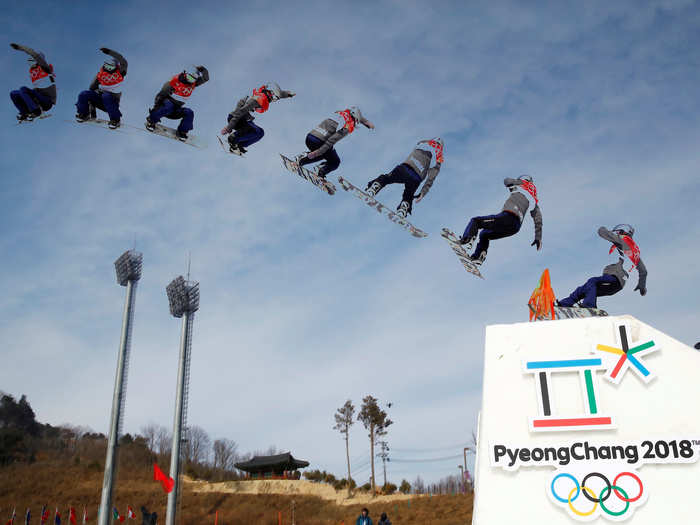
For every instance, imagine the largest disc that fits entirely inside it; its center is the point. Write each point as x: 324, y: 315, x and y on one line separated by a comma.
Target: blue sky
x: 308, y: 300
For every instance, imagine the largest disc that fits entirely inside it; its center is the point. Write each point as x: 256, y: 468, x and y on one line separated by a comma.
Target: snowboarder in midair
x: 42, y: 95
x: 323, y: 137
x: 423, y: 164
x: 240, y: 120
x: 105, y: 90
x: 170, y: 101
x: 614, y: 275
x: 523, y: 193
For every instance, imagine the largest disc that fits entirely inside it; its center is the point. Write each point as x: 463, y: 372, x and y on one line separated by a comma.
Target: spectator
x: 363, y: 518
x: 383, y: 520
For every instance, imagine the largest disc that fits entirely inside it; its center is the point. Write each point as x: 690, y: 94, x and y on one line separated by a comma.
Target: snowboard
x: 40, y: 117
x: 573, y: 312
x: 169, y: 133
x: 103, y: 124
x: 383, y: 210
x: 463, y: 256
x: 226, y: 148
x: 319, y: 182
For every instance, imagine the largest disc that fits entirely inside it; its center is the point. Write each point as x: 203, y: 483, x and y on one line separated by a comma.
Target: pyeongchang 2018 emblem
x: 626, y: 356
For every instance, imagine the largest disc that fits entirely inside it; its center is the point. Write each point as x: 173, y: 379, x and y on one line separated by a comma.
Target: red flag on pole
x: 71, y: 516
x: 166, y: 481
x: 130, y: 513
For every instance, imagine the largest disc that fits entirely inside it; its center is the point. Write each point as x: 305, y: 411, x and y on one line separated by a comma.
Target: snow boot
x: 480, y: 259
x: 21, y: 118
x: 150, y: 125
x: 182, y: 135
x: 80, y: 117
x: 373, y: 188
x: 403, y: 209
x: 114, y: 124
x: 467, y: 243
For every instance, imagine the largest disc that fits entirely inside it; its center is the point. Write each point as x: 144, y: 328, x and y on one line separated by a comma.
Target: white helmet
x: 274, y: 88
x: 526, y: 178
x: 624, y: 229
x: 356, y: 113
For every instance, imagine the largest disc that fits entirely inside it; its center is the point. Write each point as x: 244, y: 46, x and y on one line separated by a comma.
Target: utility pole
x: 128, y: 268
x: 461, y: 477
x: 384, y: 454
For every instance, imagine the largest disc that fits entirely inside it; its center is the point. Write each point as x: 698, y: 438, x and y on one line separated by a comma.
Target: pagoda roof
x: 277, y: 462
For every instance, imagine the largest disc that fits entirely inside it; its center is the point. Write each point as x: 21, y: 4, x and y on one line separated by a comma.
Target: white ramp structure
x: 588, y: 420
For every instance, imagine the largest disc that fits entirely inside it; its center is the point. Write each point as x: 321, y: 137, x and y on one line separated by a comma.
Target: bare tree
x: 198, y: 445
x: 224, y: 453
x: 164, y: 440
x: 150, y: 433
x: 376, y: 421
x: 343, y: 422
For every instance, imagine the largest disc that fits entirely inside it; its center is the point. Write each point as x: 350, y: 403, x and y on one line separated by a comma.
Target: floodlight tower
x: 183, y: 297
x: 128, y: 268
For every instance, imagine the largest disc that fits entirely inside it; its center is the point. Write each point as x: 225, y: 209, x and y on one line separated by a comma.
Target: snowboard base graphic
x: 374, y: 203
x: 319, y: 182
x: 462, y: 255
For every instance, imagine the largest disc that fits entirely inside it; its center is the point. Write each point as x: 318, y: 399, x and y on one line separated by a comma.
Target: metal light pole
x: 128, y: 268
x: 183, y: 297
x: 461, y: 477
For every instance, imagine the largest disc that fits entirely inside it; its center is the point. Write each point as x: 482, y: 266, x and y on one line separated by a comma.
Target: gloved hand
x: 642, y: 290
x: 537, y: 243
x: 291, y: 94
x: 417, y: 198
x: 105, y: 50
x: 14, y: 46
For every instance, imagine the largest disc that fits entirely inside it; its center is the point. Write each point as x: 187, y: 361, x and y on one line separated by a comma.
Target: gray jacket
x: 244, y: 109
x: 419, y: 161
x: 517, y: 204
x: 617, y: 268
x: 167, y: 90
x: 122, y: 66
x: 330, y: 131
x: 49, y: 92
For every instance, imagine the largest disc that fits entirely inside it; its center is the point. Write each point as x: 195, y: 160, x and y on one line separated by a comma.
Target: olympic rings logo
x: 600, y: 499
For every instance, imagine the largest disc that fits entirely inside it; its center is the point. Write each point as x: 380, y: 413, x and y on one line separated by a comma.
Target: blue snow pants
x: 492, y: 227
x: 169, y: 109
x: 401, y: 174
x: 246, y: 133
x: 594, y: 287
x: 104, y: 100
x: 331, y: 157
x: 28, y: 100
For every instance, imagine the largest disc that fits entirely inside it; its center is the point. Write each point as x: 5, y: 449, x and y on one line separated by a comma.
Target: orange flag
x: 166, y: 481
x: 541, y: 301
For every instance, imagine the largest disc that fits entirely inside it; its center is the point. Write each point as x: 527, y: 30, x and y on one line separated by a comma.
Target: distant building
x: 280, y: 466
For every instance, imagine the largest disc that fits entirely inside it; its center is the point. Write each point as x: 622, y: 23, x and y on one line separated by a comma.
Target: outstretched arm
x: 36, y: 56
x: 429, y: 179
x: 612, y: 237
x: 123, y: 64
x: 203, y: 76
x: 536, y: 215
x: 287, y: 94
x: 366, y: 123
